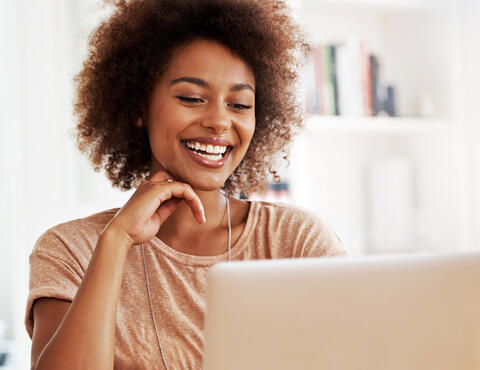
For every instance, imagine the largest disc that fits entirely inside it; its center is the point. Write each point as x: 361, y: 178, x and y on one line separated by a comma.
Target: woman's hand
x: 151, y: 204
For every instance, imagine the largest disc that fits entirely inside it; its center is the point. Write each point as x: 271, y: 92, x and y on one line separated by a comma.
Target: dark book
x: 374, y: 72
x: 3, y: 359
x: 334, y: 71
x: 389, y: 103
x: 386, y: 96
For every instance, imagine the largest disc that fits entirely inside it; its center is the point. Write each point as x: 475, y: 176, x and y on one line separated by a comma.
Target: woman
x: 190, y: 102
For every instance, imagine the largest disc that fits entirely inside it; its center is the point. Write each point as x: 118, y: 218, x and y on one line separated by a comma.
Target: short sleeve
x: 54, y: 273
x: 314, y: 236
x: 322, y: 241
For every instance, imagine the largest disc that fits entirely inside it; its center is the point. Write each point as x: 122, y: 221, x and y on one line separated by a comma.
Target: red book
x: 366, y: 81
x: 319, y: 78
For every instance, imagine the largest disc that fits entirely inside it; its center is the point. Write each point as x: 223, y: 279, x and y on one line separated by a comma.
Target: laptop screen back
x: 415, y: 312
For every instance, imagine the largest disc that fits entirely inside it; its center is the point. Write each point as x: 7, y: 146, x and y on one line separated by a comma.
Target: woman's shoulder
x: 286, y: 212
x: 73, y: 236
x: 305, y: 230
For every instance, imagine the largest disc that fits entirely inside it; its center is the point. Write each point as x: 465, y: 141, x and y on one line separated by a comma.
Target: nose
x: 216, y: 118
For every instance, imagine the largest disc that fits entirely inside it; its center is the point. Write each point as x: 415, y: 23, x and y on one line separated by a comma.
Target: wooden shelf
x: 381, y: 125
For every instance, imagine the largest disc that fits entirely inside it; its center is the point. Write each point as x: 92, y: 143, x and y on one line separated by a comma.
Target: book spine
x: 366, y: 82
x: 389, y: 104
x: 331, y: 80
x: 374, y: 78
x: 318, y: 66
x: 333, y: 56
x: 310, y: 85
x: 327, y: 99
x: 350, y: 77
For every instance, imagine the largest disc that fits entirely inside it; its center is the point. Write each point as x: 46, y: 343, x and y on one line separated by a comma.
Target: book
x: 367, y: 82
x: 319, y: 78
x: 387, y: 101
x: 325, y: 78
x: 344, y: 79
x: 374, y: 81
x: 354, y: 85
x: 311, y: 86
x: 332, y: 79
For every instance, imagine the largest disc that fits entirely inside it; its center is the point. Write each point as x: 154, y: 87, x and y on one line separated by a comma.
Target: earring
x: 139, y: 123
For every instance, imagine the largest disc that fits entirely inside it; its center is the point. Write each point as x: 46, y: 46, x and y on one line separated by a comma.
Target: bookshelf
x: 387, y: 184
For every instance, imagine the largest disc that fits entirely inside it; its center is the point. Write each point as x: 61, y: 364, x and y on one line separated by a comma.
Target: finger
x: 160, y: 175
x: 181, y: 190
x: 167, y: 208
x: 193, y: 201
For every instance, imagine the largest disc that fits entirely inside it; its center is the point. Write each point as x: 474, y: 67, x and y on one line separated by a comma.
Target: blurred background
x: 389, y: 156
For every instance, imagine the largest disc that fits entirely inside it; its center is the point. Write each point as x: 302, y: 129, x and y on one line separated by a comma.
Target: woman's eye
x: 189, y: 100
x: 241, y: 106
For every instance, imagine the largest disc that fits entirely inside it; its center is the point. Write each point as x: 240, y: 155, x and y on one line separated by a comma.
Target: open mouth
x: 208, y: 151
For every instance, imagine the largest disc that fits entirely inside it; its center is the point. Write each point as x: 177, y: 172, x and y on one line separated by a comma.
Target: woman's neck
x: 181, y: 224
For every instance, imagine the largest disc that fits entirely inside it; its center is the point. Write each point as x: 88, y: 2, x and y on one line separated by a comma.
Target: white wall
x: 43, y: 179
x: 10, y: 158
x: 468, y: 75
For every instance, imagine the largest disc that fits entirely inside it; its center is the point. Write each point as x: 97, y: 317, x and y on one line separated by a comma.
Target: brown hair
x: 129, y: 50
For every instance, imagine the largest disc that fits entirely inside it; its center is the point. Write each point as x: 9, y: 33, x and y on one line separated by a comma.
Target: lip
x: 204, y: 161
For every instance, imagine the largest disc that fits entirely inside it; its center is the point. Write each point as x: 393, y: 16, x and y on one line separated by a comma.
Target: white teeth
x: 217, y: 149
x: 211, y: 157
x: 220, y: 149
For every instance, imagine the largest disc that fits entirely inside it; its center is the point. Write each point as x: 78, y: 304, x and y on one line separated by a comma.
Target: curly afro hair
x: 131, y: 49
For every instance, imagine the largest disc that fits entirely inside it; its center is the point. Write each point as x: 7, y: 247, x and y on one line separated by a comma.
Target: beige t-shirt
x: 61, y: 256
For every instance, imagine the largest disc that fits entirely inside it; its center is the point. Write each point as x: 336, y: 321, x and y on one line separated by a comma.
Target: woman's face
x: 201, y: 115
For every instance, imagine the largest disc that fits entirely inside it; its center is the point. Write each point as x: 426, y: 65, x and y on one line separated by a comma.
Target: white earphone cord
x: 148, y: 282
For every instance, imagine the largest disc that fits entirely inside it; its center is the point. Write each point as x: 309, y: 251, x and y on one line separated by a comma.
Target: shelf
x: 379, y: 6
x: 336, y: 157
x: 380, y: 125
x: 7, y: 348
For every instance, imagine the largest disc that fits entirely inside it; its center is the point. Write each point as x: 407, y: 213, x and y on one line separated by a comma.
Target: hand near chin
x: 151, y: 204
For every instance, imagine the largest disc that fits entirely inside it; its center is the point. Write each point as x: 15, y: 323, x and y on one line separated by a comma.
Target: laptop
x: 404, y: 312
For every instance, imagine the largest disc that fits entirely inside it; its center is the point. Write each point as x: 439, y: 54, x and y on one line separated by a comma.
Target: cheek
x: 165, y: 126
x: 161, y: 140
x: 158, y: 148
x: 248, y: 132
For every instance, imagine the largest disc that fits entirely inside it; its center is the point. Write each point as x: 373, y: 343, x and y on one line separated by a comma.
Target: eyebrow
x: 203, y: 83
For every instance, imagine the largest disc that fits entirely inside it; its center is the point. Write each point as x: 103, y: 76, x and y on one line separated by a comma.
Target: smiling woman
x: 190, y: 102
x: 214, y: 109
x: 142, y: 36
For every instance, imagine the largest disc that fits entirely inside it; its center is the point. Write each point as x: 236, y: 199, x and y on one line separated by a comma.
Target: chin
x: 205, y: 185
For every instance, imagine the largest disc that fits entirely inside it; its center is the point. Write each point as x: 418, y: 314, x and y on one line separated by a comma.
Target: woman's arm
x: 84, y: 330
x: 47, y: 314
x: 84, y: 337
